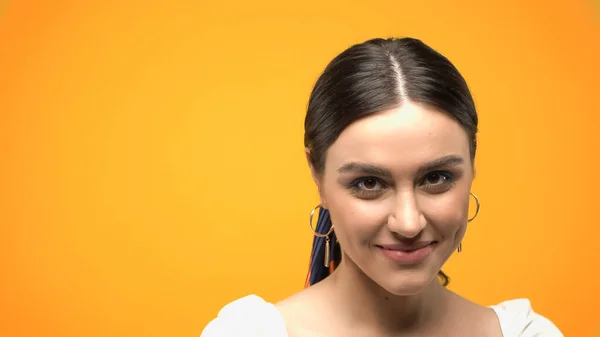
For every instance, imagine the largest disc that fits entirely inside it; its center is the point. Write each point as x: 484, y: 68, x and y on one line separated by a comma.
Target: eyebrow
x: 368, y: 169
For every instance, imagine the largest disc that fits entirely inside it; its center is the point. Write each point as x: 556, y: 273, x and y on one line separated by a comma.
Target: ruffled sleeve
x: 518, y: 319
x: 249, y: 316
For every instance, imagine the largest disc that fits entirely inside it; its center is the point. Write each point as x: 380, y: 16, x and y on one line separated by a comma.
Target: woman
x: 390, y: 137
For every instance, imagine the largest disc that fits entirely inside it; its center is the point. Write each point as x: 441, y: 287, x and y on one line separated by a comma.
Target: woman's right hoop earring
x: 326, y: 236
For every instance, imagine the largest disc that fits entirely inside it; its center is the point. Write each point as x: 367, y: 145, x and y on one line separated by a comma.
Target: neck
x: 368, y: 306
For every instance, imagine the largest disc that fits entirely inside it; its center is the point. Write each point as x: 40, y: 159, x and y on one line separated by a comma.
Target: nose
x: 406, y: 219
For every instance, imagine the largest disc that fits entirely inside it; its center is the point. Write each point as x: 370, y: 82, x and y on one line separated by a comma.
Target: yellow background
x: 152, y: 166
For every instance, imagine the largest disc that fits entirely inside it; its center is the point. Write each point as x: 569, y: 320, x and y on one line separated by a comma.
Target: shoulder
x: 517, y: 318
x: 249, y: 316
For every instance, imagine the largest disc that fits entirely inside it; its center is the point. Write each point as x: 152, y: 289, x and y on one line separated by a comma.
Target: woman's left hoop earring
x: 478, y: 206
x: 472, y: 218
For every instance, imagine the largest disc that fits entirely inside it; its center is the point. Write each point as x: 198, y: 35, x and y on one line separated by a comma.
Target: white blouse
x: 252, y: 316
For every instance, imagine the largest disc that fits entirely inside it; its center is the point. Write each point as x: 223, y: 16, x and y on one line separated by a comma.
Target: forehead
x: 401, y: 138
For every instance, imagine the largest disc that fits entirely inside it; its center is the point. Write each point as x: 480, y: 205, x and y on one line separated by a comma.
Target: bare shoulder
x: 298, y: 304
x: 304, y: 313
x: 482, y: 320
x: 509, y: 318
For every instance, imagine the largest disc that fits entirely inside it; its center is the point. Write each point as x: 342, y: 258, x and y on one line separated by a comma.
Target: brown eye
x: 435, y: 178
x: 369, y: 184
x: 437, y: 182
x: 368, y: 188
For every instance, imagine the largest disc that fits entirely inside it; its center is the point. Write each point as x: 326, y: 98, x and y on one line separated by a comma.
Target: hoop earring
x: 326, y: 236
x: 471, y: 219
x: 478, y: 207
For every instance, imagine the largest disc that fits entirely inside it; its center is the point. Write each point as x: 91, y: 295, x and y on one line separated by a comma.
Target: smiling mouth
x: 408, y: 250
x: 407, y: 247
x: 408, y: 254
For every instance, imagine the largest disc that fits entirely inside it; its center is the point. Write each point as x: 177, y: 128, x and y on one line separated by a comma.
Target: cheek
x: 448, y: 212
x: 356, y: 221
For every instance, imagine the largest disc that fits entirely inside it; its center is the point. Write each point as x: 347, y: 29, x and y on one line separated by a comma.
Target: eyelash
x: 448, y: 183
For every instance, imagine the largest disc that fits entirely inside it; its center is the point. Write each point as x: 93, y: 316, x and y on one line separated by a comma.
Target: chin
x: 408, y: 283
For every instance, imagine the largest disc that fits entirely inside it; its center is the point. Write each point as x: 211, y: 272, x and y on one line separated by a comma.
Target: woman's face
x: 397, y: 187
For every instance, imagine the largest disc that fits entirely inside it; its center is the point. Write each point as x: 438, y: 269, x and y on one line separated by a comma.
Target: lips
x: 405, y: 247
x: 408, y: 254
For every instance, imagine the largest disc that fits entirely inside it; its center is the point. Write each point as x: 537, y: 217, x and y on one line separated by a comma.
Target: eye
x: 435, y: 178
x: 368, y: 184
x: 438, y: 182
x: 367, y: 187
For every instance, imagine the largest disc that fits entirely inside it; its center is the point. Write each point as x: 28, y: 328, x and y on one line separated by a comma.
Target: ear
x: 316, y: 177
